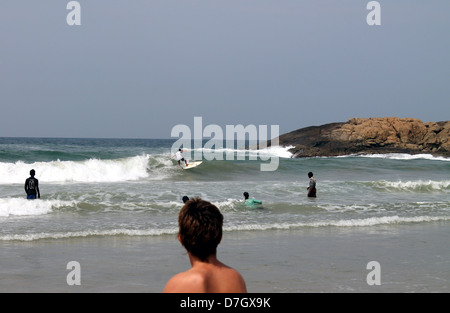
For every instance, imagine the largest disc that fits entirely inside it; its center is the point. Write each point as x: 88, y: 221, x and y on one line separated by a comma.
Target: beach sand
x: 412, y: 258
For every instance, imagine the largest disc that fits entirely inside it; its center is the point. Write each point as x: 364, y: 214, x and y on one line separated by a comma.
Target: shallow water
x: 112, y: 205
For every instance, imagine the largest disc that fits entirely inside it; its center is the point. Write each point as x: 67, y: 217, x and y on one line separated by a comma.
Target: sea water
x: 101, y: 198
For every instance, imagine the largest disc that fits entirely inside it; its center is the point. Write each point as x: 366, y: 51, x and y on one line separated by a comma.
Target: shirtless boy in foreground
x: 200, y: 233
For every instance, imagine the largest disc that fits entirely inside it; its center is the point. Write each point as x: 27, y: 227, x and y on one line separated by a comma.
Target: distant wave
x: 399, y: 156
x: 413, y: 186
x: 274, y: 151
x: 277, y: 151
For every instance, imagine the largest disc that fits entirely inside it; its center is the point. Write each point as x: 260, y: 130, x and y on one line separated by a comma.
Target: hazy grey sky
x: 136, y: 68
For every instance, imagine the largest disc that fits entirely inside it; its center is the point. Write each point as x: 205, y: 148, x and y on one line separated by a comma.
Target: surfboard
x: 192, y: 165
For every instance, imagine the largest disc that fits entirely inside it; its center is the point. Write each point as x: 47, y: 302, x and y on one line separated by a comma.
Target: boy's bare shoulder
x: 185, y: 282
x: 233, y: 282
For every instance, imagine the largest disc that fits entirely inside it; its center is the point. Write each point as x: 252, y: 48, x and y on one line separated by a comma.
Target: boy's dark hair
x: 200, y: 227
x: 310, y: 174
x: 246, y: 195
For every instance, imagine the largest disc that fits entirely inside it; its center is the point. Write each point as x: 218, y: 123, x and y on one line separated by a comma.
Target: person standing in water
x: 32, y: 187
x: 312, y: 185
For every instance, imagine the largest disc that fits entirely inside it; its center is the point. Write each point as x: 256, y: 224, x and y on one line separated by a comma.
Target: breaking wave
x: 92, y: 170
x: 147, y: 166
x: 372, y: 221
x: 23, y: 207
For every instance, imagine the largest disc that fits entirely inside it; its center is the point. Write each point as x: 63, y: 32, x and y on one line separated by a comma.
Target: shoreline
x: 330, y: 259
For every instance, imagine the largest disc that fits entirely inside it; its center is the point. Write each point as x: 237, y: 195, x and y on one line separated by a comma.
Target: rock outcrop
x: 372, y: 135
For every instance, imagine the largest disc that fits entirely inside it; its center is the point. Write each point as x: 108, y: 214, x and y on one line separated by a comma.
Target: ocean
x: 112, y: 205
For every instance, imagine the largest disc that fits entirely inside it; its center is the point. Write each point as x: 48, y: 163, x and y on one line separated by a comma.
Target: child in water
x: 250, y: 202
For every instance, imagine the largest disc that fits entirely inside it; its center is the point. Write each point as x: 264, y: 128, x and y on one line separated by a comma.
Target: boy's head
x: 200, y: 228
x: 32, y: 173
x: 246, y: 195
x: 310, y: 174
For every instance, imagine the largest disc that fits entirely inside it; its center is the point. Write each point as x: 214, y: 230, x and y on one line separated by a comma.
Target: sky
x: 138, y: 68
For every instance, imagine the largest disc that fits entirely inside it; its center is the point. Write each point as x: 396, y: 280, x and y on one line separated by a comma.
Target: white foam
x: 415, y: 185
x: 227, y: 204
x: 278, y: 151
x: 274, y: 151
x: 371, y: 221
x: 23, y: 207
x: 404, y: 156
x: 89, y: 233
x: 93, y: 170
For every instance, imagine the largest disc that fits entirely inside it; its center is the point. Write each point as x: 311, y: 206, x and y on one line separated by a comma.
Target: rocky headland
x: 370, y: 136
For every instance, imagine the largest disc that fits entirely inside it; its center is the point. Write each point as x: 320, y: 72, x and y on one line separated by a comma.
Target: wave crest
x: 92, y: 170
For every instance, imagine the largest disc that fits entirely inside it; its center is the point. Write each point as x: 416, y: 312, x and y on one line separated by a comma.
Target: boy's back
x: 207, y: 278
